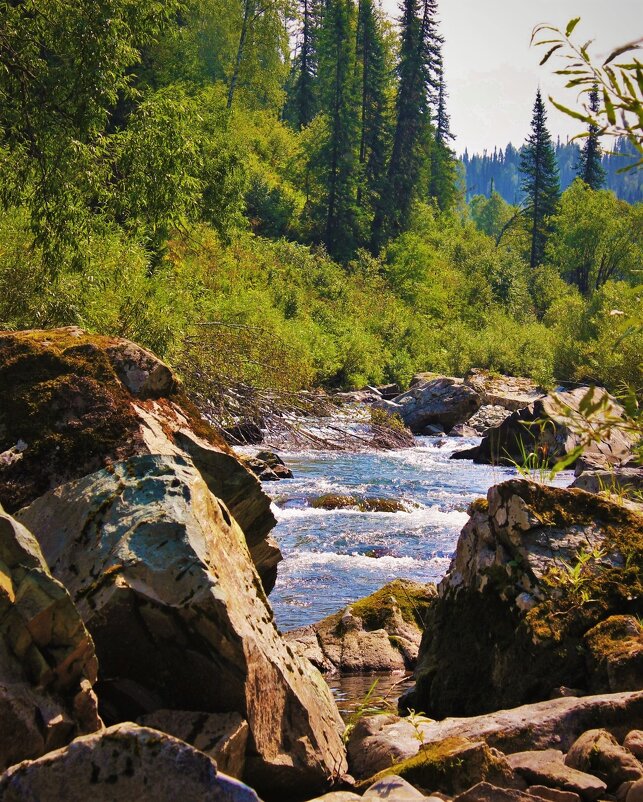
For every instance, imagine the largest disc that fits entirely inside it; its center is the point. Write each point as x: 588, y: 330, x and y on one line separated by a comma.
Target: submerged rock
x: 124, y: 762
x: 441, y: 401
x: 335, y: 501
x: 161, y: 574
x: 72, y: 403
x: 548, y: 428
x: 379, y: 633
x: 536, y: 568
x: 47, y: 659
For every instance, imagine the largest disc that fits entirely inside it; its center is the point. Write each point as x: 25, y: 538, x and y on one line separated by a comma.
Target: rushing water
x: 332, y: 558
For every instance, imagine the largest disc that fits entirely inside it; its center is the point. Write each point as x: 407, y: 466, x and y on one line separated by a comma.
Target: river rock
x: 615, y: 654
x: 508, y: 392
x: 487, y: 417
x: 621, y: 482
x: 486, y: 792
x: 634, y: 743
x: 124, y: 762
x: 161, y: 574
x: 47, y: 659
x: 375, y: 741
x: 72, y: 403
x: 441, y: 401
x: 547, y: 428
x: 221, y: 736
x: 599, y: 753
x: 451, y: 766
x: 548, y: 768
x: 512, y: 611
x: 379, y: 633
x: 552, y: 794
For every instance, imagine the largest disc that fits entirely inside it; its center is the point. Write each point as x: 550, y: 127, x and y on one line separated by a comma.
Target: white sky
x: 492, y: 73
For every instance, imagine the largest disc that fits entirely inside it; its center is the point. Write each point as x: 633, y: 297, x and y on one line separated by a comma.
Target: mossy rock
x: 615, y: 654
x: 334, y: 501
x: 450, y: 766
x: 536, y: 569
x: 66, y: 407
x: 412, y: 599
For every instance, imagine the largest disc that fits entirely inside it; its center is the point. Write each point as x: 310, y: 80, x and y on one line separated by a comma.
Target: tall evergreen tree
x: 340, y: 101
x: 408, y: 155
x: 589, y: 166
x: 540, y: 181
x: 442, y: 184
x: 302, y: 104
x: 375, y: 118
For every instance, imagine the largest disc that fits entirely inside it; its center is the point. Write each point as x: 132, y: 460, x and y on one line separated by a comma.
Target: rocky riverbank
x: 139, y: 656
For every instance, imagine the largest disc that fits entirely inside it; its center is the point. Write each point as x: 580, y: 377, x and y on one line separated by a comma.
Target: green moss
x: 333, y: 501
x: 478, y: 505
x: 450, y: 766
x: 61, y: 396
x: 411, y: 598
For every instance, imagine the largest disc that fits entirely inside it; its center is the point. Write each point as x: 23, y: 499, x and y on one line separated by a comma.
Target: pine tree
x: 339, y: 99
x: 408, y: 155
x: 589, y: 166
x: 375, y: 115
x: 442, y: 184
x: 302, y: 104
x: 540, y: 181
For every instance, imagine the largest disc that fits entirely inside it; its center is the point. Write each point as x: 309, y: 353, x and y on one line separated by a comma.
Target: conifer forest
x: 270, y: 193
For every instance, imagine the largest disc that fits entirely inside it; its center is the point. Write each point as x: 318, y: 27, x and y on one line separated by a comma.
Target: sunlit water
x: 332, y: 558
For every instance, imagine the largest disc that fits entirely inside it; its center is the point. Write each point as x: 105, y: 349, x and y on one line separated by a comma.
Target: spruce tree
x: 375, y: 117
x: 589, y: 167
x: 442, y: 184
x: 540, y: 182
x: 302, y: 104
x: 340, y: 101
x: 411, y: 129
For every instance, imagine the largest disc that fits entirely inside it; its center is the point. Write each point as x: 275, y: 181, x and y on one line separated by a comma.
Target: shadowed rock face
x: 546, y: 427
x: 536, y: 569
x: 125, y: 762
x: 162, y: 576
x: 47, y: 659
x: 442, y: 401
x: 72, y: 403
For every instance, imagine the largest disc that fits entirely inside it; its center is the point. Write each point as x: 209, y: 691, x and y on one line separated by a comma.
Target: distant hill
x: 502, y: 168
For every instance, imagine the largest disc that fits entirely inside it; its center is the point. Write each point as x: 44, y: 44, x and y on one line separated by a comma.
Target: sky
x: 492, y: 73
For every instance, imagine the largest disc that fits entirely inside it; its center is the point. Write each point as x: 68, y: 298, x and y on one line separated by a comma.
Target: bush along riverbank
x: 139, y: 654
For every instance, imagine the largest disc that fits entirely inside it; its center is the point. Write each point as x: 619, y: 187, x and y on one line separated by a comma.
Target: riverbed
x: 334, y: 557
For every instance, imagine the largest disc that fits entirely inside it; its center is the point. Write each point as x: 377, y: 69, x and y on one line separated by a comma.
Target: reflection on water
x: 368, y: 693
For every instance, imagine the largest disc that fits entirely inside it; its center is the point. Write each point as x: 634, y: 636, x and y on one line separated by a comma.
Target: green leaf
x: 636, y: 45
x: 570, y: 112
x: 609, y: 108
x: 571, y: 25
x: 547, y: 55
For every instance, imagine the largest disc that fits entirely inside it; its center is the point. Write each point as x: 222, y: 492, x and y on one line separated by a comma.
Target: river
x: 332, y: 558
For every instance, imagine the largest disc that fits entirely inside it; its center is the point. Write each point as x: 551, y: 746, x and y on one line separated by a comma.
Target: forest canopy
x: 177, y: 171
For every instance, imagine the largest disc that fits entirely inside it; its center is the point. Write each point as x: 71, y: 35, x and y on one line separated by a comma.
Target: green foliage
x: 619, y: 83
x: 596, y: 238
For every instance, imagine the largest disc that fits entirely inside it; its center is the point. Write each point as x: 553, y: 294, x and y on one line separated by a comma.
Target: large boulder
x: 549, y: 428
x: 444, y: 401
x: 162, y: 576
x: 377, y: 741
x: 624, y: 482
x: 379, y: 633
x: 536, y: 568
x: 508, y: 392
x: 125, y: 762
x: 72, y: 403
x: 47, y: 659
